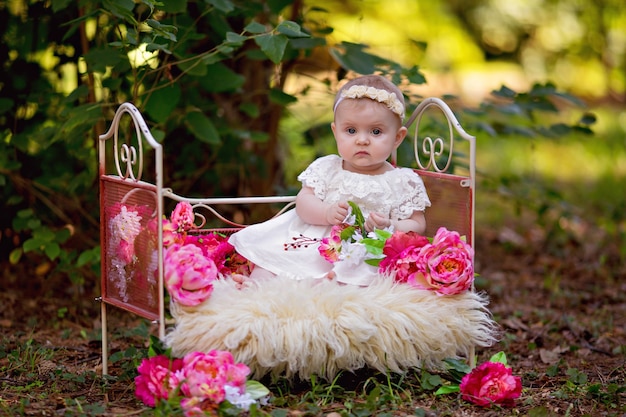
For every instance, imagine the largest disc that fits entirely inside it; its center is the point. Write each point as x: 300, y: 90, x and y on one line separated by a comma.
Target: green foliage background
x: 213, y: 79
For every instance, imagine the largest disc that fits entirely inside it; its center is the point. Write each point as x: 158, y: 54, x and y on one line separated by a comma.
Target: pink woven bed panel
x: 129, y: 251
x: 451, y: 203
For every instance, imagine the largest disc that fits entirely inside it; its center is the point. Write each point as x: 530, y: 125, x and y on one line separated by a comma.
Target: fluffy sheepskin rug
x: 299, y: 328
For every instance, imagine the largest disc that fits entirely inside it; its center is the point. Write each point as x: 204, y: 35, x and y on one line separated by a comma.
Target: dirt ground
x: 562, y: 308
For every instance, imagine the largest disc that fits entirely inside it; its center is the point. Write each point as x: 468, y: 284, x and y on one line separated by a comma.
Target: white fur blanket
x: 299, y: 328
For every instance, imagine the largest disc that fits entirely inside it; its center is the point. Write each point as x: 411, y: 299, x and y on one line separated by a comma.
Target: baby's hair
x: 377, y: 82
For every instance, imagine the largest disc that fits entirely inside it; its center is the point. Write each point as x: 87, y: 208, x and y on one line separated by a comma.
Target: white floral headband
x: 380, y: 95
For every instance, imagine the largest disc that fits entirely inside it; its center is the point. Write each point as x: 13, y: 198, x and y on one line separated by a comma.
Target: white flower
x: 126, y: 225
x: 233, y: 396
x: 357, y: 236
x: 352, y: 253
x: 350, y: 218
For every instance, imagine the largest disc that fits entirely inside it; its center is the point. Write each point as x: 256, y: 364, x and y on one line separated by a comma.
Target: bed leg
x: 472, y: 357
x: 105, y: 342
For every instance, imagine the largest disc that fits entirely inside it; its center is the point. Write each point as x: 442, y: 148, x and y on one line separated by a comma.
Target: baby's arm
x: 415, y: 223
x: 314, y: 211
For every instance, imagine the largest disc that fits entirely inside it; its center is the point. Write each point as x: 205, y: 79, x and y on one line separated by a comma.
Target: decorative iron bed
x: 283, y: 326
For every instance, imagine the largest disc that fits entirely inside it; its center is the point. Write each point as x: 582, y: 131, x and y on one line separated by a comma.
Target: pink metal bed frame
x: 136, y: 284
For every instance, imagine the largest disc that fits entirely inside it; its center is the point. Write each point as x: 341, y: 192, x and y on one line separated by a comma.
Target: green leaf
x: 358, y: 214
x: 151, y: 47
x: 307, y: 43
x: 215, y: 57
x: 273, y: 46
x: 15, y: 255
x: 33, y: 244
x: 174, y: 6
x: 166, y: 31
x: 223, y: 49
x: 429, y: 381
x: 499, y: 357
x: 354, y: 58
x: 156, y: 348
x: 62, y: 235
x: 291, y: 29
x: 279, y: 97
x: 44, y: 233
x: 447, y: 389
x: 99, y: 59
x: 52, y: 250
x: 256, y: 390
x: 588, y: 119
x: 225, y: 6
x: 195, y: 66
x: 235, y: 39
x: 202, y: 128
x: 504, y: 92
x: 219, y: 79
x: 122, y: 9
x: 347, y: 233
x: 373, y: 243
x: 415, y: 76
x: 84, y: 115
x: 457, y: 368
x: 88, y: 256
x: 382, y: 234
x: 162, y: 102
x: 250, y: 109
x: 457, y: 365
x: 255, y: 27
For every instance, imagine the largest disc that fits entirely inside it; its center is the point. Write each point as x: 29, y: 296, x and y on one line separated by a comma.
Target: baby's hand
x: 376, y: 221
x: 337, y: 213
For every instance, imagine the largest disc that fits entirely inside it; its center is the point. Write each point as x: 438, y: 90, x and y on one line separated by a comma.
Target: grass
x: 34, y: 373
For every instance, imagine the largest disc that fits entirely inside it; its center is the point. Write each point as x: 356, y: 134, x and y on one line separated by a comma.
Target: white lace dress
x: 270, y: 244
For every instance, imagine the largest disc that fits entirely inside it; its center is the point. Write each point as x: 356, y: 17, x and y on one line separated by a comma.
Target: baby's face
x: 366, y: 133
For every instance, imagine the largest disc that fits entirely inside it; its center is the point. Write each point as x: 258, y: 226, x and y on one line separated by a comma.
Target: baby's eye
x: 376, y: 132
x: 351, y: 130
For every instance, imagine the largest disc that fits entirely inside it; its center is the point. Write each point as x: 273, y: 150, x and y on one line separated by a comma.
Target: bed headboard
x: 448, y: 168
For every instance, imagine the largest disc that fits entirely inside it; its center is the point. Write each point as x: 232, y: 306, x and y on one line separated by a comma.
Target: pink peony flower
x: 222, y: 361
x: 223, y: 254
x: 189, y: 274
x: 156, y: 379
x: 182, y: 216
x: 401, y: 252
x: 491, y: 383
x: 445, y: 265
x: 205, y: 376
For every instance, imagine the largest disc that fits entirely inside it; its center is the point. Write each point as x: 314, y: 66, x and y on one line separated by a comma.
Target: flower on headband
x: 382, y: 96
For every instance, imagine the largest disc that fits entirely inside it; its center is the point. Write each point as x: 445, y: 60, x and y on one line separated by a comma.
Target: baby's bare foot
x: 240, y: 280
